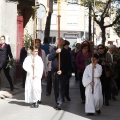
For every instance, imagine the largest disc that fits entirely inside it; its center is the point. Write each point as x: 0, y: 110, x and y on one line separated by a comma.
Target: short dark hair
x: 83, y: 45
x: 66, y: 42
x: 3, y: 37
x: 38, y: 40
x: 33, y: 48
x: 103, y: 46
x: 96, y: 56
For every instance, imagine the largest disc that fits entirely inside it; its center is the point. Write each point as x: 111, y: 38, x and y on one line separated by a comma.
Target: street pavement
x: 17, y: 109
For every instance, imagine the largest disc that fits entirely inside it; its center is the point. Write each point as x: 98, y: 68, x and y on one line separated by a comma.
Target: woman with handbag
x: 105, y: 61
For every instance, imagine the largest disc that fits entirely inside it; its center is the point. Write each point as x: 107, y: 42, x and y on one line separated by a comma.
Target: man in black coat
x: 60, y: 77
x: 5, y: 54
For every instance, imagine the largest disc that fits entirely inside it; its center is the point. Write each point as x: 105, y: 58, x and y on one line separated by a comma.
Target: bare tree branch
x: 114, y: 22
x: 106, y: 9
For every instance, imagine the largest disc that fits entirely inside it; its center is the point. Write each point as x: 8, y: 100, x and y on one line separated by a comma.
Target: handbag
x: 108, y: 72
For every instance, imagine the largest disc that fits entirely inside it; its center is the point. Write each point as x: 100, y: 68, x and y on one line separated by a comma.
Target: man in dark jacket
x: 59, y: 77
x: 5, y: 54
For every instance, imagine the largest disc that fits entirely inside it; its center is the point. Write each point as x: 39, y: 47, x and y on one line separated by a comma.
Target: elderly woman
x: 115, y: 70
x: 81, y: 58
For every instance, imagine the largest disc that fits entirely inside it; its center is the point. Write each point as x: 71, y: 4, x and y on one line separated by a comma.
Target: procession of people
x: 96, y: 68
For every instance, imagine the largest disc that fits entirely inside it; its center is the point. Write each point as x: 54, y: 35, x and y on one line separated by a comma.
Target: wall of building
x: 40, y: 23
x: 73, y: 22
x: 8, y: 27
x: 8, y: 23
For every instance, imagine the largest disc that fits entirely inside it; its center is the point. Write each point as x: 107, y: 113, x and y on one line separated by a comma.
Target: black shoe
x: 83, y: 102
x: 59, y: 107
x: 90, y: 114
x: 114, y: 98
x: 47, y: 94
x: 98, y: 112
x: 11, y: 88
x: 23, y: 85
x: 39, y: 102
x: 32, y: 105
x: 76, y: 79
x: 63, y: 99
x: 106, y: 103
x: 68, y: 98
x: 36, y: 105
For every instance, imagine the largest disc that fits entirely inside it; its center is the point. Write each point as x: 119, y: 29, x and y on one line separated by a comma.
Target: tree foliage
x: 103, y: 10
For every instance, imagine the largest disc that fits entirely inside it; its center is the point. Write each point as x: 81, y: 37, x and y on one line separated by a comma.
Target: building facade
x: 73, y: 22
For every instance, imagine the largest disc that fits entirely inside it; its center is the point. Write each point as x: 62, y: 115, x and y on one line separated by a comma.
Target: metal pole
x: 93, y: 45
x: 58, y: 1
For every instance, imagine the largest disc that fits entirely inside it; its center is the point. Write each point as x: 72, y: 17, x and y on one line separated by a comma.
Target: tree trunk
x: 103, y: 35
x: 90, y: 10
x: 47, y: 27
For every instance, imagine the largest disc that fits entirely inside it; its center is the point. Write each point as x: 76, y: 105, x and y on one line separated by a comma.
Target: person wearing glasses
x: 5, y: 55
x: 33, y: 65
x: 105, y: 61
x: 112, y: 50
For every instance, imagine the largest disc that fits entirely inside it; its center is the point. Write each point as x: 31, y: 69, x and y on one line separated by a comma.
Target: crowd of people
x: 96, y: 68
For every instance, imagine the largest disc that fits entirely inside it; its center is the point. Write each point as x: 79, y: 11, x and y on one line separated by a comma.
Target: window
x: 73, y: 1
x: 72, y: 20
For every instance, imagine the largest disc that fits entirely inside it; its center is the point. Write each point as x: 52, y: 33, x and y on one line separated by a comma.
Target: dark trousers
x: 59, y: 87
x: 106, y: 88
x: 23, y: 77
x: 82, y: 88
x: 75, y: 69
x: 49, y: 83
x: 67, y: 85
x: 7, y: 75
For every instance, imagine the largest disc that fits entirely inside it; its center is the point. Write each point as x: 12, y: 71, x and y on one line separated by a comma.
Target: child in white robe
x: 93, y: 88
x: 33, y: 65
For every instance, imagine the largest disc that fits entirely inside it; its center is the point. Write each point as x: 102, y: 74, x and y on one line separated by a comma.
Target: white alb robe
x: 93, y: 101
x: 33, y: 86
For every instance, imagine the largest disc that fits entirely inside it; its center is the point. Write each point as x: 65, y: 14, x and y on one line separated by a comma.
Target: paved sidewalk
x: 17, y: 109
x: 18, y: 89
